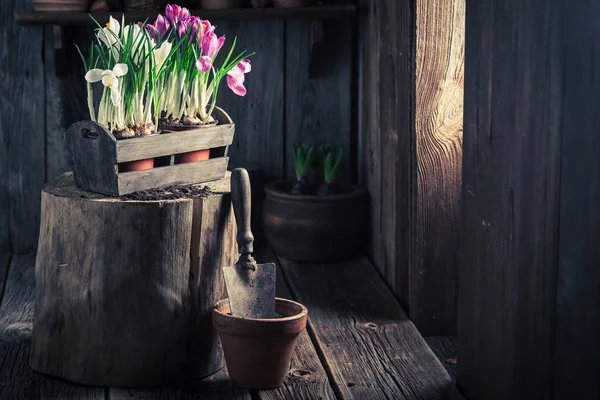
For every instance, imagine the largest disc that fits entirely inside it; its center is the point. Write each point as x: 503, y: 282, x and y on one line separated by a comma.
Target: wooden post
x: 530, y: 276
x: 412, y: 55
x: 124, y: 289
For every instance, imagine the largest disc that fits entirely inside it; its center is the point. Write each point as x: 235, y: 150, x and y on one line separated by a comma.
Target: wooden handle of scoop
x: 240, y: 196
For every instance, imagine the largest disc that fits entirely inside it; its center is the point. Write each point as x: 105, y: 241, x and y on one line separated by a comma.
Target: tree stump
x: 124, y: 289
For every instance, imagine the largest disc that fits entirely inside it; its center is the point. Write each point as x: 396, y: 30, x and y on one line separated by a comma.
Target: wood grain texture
x: 317, y: 109
x: 198, y: 172
x: 81, y: 18
x: 410, y: 133
x: 370, y: 128
x: 577, y: 321
x: 4, y: 263
x: 444, y: 347
x: 213, y: 217
x: 93, y: 157
x: 215, y: 387
x: 18, y: 381
x: 438, y: 125
x: 57, y: 156
x: 511, y: 164
x: 22, y: 128
x: 174, y: 143
x: 370, y: 347
x: 259, y: 115
x: 307, y: 378
x: 102, y: 288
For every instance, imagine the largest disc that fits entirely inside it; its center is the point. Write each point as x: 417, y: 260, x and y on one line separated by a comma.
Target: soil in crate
x: 169, y: 193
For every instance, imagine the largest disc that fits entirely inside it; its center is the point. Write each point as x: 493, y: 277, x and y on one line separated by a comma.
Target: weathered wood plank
x: 370, y: 347
x: 4, y: 263
x: 57, y: 156
x: 17, y: 380
x: 317, y: 108
x: 81, y: 18
x: 577, y: 320
x: 444, y: 347
x: 307, y: 378
x: 510, y: 200
x: 370, y: 173
x: 65, y: 94
x: 23, y: 127
x: 215, y: 387
x: 174, y: 143
x: 438, y: 125
x: 258, y: 115
x: 411, y: 125
x: 201, y: 171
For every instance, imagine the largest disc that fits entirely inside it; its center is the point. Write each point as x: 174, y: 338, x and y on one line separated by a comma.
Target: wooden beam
x: 19, y: 382
x: 369, y: 346
x: 82, y: 18
x: 411, y: 134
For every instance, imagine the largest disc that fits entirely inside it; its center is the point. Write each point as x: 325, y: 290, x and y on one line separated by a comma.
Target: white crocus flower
x: 110, y: 35
x: 110, y: 79
x: 161, y: 53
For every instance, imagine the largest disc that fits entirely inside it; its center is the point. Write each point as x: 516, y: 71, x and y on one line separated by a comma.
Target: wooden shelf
x: 83, y: 18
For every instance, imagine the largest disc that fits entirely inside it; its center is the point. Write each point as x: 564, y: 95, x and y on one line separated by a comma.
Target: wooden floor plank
x: 17, y: 379
x: 307, y: 378
x: 444, y: 347
x: 370, y: 347
x: 215, y: 387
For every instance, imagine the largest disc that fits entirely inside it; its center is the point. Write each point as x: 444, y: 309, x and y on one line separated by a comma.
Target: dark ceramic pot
x: 318, y: 229
x: 258, y: 351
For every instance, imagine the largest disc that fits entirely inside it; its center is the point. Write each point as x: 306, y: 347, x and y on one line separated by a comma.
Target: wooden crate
x: 96, y: 154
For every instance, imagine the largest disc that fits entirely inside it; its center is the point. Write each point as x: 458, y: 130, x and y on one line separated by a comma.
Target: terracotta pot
x: 291, y: 3
x: 61, y: 5
x: 318, y: 229
x: 221, y: 4
x: 191, y: 156
x: 138, y: 165
x: 258, y: 351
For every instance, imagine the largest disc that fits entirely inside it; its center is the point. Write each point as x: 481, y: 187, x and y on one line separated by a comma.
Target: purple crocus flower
x: 235, y: 77
x: 175, y: 13
x: 212, y: 44
x: 182, y: 28
x: 150, y: 29
x: 162, y: 25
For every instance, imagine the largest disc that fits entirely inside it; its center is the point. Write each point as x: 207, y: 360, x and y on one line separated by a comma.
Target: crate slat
x: 174, y: 143
x: 202, y: 171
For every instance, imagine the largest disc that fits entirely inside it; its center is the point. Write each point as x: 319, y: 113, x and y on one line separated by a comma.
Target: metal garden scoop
x: 250, y: 286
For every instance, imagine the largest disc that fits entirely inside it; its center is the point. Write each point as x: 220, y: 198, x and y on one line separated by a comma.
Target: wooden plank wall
x: 412, y: 56
x: 284, y: 104
x: 529, y: 276
x: 22, y: 129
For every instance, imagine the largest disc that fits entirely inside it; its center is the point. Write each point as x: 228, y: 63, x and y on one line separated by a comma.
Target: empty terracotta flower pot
x: 258, y: 351
x: 192, y: 156
x: 138, y: 165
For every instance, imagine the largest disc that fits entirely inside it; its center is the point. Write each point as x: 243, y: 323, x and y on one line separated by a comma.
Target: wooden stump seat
x: 124, y: 288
